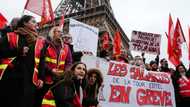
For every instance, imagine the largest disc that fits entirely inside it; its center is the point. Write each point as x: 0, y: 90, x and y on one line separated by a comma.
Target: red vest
x: 38, y: 47
x: 13, y: 43
x: 55, y: 61
x: 48, y: 100
x: 184, y: 86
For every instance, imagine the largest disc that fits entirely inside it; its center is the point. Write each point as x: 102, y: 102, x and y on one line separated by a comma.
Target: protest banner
x: 131, y: 86
x: 145, y: 42
x: 85, y: 37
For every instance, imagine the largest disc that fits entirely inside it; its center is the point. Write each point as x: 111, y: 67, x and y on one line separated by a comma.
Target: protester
x: 17, y: 88
x: 148, y: 67
x: 104, y: 53
x: 67, y: 38
x: 55, y: 59
x: 11, y: 27
x: 27, y: 27
x: 132, y: 62
x: 76, y: 55
x: 94, y: 81
x: 153, y: 65
x: 181, y: 82
x: 139, y: 61
x: 56, y: 42
x: 69, y: 91
x: 164, y: 66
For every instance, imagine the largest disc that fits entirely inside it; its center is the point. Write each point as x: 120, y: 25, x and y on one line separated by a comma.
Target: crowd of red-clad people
x: 38, y: 70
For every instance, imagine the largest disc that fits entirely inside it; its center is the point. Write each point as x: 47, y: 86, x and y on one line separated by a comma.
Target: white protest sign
x: 85, y: 37
x: 131, y: 86
x: 145, y: 42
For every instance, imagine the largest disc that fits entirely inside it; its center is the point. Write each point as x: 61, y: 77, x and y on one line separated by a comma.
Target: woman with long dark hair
x: 181, y: 82
x: 94, y: 81
x: 17, y: 88
x: 68, y: 92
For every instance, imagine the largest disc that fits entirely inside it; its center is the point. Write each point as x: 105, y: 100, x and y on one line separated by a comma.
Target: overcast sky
x: 143, y: 15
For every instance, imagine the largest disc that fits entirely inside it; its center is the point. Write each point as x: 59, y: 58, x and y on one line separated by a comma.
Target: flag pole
x: 166, y: 34
x: 24, y: 7
x: 182, y: 32
x: 189, y: 45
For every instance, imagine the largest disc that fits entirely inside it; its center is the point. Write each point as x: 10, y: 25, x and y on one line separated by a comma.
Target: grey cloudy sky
x: 152, y: 16
x: 143, y: 15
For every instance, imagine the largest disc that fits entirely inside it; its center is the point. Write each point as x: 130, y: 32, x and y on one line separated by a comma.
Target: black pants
x: 11, y: 93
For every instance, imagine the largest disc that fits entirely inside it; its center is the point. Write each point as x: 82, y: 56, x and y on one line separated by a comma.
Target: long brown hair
x: 98, y: 82
x: 69, y: 75
x: 99, y: 78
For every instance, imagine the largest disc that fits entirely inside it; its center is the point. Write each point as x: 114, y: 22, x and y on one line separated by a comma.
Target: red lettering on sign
x: 153, y: 97
x: 117, y: 69
x: 137, y: 73
x: 119, y: 94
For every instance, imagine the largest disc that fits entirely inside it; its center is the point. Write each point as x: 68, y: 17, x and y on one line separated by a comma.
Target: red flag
x: 42, y: 8
x: 178, y: 39
x: 170, y: 35
x: 172, y: 57
x: 3, y: 21
x: 117, y: 44
x: 47, y: 12
x: 34, y: 6
x: 105, y: 43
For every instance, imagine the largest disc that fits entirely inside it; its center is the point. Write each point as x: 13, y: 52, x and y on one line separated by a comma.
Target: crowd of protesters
x: 38, y: 70
x: 32, y: 66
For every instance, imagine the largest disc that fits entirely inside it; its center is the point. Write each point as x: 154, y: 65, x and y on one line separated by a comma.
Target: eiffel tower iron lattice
x: 96, y: 13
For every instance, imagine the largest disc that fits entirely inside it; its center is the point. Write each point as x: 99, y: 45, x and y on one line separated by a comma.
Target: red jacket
x: 184, y: 86
x: 5, y: 62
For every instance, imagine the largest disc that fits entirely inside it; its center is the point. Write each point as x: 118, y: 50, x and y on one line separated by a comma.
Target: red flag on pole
x: 105, y: 43
x: 178, y: 39
x: 42, y: 8
x: 47, y: 12
x: 170, y: 35
x: 173, y: 56
x: 117, y: 44
x: 34, y: 6
x: 3, y: 21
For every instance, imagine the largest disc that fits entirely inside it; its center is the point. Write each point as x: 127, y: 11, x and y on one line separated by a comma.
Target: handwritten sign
x: 145, y: 42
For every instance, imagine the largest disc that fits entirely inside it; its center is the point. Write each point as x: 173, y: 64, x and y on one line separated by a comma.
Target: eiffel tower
x: 97, y: 13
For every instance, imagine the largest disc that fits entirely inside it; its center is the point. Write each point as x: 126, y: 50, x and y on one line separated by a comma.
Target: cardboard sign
x: 85, y: 37
x: 145, y: 42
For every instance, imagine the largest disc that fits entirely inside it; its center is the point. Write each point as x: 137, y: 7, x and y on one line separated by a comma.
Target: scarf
x: 30, y: 35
